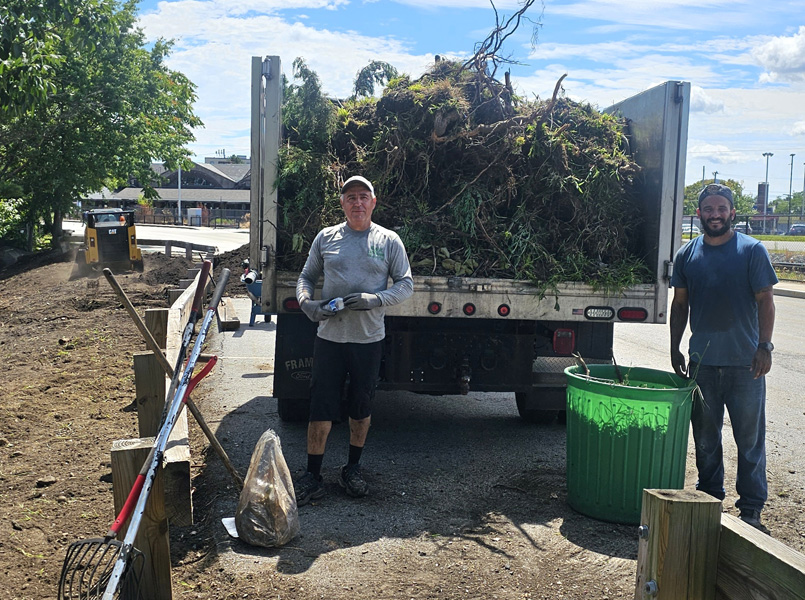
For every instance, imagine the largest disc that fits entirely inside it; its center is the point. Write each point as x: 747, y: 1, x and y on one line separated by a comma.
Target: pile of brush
x: 477, y: 181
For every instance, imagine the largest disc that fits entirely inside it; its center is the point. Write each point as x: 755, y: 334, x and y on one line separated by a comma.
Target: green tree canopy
x: 781, y: 204
x: 92, y: 106
x: 743, y: 201
x: 376, y: 72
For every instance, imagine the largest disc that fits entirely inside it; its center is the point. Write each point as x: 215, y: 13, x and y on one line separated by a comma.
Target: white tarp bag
x: 267, y: 514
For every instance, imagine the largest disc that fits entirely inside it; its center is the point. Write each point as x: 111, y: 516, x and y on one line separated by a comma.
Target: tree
x: 376, y: 72
x: 743, y: 202
x: 94, y: 120
x: 308, y: 116
x: 781, y: 204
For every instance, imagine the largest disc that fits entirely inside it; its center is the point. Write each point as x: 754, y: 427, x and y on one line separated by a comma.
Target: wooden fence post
x: 677, y: 554
x: 149, y: 385
x: 156, y: 320
x: 152, y: 538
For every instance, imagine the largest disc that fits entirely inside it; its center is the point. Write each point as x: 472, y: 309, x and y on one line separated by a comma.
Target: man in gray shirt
x: 356, y: 258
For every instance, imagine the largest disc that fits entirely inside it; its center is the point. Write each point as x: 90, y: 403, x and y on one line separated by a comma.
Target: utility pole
x: 702, y: 175
x: 802, y: 204
x: 790, y: 189
x: 179, y: 193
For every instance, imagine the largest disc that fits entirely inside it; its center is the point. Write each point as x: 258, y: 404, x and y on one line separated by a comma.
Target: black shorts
x: 332, y: 362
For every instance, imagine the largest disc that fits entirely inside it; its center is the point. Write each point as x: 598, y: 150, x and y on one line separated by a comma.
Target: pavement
x: 790, y: 288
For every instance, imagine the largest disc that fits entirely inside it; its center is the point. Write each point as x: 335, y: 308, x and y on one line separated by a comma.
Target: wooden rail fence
x: 689, y: 550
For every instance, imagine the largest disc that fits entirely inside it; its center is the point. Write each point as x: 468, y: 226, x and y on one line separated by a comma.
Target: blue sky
x: 745, y: 61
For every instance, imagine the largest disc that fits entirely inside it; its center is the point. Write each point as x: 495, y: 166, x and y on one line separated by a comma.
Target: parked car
x: 797, y: 229
x: 743, y: 228
x: 690, y: 229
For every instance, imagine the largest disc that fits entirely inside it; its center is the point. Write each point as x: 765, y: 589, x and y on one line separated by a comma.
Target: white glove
x: 362, y: 301
x: 315, y: 310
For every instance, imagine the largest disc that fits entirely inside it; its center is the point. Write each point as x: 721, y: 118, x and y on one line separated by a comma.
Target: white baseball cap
x: 357, y: 179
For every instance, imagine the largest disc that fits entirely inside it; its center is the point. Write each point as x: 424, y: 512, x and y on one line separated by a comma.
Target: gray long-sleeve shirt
x: 356, y: 261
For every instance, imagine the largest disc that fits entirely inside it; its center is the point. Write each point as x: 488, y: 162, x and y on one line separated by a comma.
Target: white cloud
x: 783, y: 58
x: 700, y: 101
x: 719, y: 154
x: 798, y: 128
x: 214, y: 46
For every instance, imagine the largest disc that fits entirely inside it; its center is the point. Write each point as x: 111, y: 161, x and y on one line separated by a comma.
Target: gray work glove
x: 362, y: 301
x: 315, y: 310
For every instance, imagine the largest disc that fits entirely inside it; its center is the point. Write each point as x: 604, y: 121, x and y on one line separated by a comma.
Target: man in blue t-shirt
x: 723, y: 280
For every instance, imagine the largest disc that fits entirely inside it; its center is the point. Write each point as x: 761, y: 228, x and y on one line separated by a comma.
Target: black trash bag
x: 267, y: 514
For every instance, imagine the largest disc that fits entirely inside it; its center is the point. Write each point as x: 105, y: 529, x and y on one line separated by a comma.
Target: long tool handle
x: 153, y: 345
x: 161, y: 442
x: 136, y: 489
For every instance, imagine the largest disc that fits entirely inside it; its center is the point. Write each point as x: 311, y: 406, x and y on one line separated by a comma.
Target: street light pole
x: 790, y: 190
x: 802, y: 204
x: 766, y: 202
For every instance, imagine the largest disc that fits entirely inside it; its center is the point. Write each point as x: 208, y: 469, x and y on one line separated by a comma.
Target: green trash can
x: 622, y: 438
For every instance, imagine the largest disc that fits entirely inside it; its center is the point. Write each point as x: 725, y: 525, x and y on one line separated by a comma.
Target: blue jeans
x: 745, y: 398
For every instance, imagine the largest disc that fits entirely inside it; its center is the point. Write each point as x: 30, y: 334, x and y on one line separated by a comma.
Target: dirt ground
x: 67, y: 392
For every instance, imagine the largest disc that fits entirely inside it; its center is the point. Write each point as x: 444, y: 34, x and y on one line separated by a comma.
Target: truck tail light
x: 469, y: 309
x: 633, y: 314
x: 291, y: 304
x: 599, y: 313
x: 564, y: 341
x: 434, y: 308
x: 504, y: 310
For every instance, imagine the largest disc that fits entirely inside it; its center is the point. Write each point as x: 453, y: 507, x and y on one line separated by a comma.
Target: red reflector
x: 291, y: 304
x: 469, y: 309
x: 633, y: 314
x: 504, y: 310
x: 564, y: 341
x: 434, y: 308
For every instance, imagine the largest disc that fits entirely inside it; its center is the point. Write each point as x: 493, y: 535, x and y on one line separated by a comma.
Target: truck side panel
x: 658, y: 135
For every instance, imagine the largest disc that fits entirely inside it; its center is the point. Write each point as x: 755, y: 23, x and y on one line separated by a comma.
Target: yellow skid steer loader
x: 110, y: 241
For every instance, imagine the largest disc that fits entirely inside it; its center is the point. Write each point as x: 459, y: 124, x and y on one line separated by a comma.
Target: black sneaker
x: 752, y: 517
x: 308, y: 487
x: 352, y: 481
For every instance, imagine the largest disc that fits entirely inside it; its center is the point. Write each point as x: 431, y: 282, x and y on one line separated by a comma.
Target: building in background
x: 218, y: 187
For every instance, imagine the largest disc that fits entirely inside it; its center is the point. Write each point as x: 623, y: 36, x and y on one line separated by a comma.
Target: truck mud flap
x: 293, y: 358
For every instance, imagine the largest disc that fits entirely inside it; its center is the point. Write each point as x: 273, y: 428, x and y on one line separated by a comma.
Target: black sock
x: 314, y: 463
x: 354, y: 454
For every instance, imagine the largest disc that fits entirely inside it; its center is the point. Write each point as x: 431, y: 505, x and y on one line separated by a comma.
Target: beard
x: 716, y: 227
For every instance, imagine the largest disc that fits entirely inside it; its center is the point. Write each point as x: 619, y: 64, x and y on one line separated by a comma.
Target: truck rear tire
x: 538, y: 416
x: 293, y: 410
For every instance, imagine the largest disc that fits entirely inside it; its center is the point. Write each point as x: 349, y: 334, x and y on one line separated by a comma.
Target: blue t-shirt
x: 722, y: 282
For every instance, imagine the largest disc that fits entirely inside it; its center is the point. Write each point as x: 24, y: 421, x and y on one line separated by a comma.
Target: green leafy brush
x: 477, y: 181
